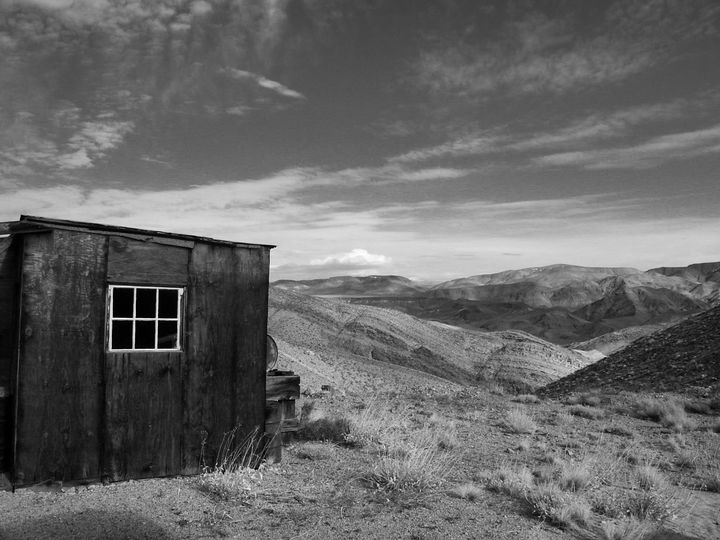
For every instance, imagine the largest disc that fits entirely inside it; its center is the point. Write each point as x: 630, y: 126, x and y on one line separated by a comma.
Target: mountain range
x: 563, y: 304
x: 362, y: 349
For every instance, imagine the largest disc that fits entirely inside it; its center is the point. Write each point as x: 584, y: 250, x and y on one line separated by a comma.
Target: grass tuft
x: 518, y: 421
x: 670, y: 414
x: 469, y: 492
x: 587, y: 412
x: 238, y: 468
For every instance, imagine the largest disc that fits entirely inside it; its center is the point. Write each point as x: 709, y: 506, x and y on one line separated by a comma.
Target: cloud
x: 356, y: 257
x: 534, y: 53
x: 654, y: 152
x: 465, y: 146
x: 263, y: 82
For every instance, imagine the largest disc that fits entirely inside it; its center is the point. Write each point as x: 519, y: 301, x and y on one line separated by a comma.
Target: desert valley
x: 554, y: 402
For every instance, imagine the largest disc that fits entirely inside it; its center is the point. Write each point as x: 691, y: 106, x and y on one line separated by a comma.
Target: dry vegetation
x: 425, y: 464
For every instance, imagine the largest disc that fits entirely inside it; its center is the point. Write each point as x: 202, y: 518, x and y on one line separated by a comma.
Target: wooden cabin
x: 125, y: 353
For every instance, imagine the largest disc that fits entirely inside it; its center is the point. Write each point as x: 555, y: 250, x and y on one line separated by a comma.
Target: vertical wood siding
x: 226, y: 328
x: 84, y: 412
x: 60, y: 391
x: 8, y: 317
x: 143, y: 414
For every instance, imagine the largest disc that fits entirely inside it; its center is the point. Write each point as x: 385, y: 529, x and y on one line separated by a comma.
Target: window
x: 144, y: 318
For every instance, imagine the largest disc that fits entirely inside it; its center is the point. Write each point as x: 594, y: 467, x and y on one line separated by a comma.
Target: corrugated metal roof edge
x: 109, y: 229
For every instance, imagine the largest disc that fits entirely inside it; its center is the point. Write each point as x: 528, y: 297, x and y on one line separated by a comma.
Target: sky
x: 433, y: 139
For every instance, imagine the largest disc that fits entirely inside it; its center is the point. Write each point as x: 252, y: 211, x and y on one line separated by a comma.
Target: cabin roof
x: 30, y: 224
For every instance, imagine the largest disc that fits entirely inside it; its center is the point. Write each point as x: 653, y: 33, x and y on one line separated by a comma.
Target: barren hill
x: 560, y: 303
x: 362, y: 348
x: 682, y: 355
x: 352, y: 286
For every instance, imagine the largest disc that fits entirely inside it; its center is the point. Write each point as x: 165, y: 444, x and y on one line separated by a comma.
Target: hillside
x: 360, y: 348
x: 560, y: 303
x: 685, y: 354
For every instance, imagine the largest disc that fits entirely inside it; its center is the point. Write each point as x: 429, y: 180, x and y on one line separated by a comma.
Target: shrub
x: 648, y: 477
x: 527, y: 398
x: 519, y: 421
x: 551, y: 504
x: 627, y: 529
x: 655, y: 504
x: 470, y: 492
x: 587, y: 412
x: 237, y: 470
x: 575, y: 476
x: 376, y: 425
x: 335, y: 429
x: 686, y: 459
x: 418, y: 469
x: 669, y: 413
x: 513, y: 482
x: 713, y: 483
x: 585, y: 399
x: 618, y: 430
x: 314, y: 451
x: 562, y: 418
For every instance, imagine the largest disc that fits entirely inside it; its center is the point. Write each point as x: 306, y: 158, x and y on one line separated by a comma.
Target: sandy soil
x: 316, y: 492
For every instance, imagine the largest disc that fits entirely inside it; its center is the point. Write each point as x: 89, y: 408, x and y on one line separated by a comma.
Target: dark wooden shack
x: 125, y: 353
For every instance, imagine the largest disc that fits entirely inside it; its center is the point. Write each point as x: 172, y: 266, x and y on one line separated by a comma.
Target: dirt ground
x: 317, y: 491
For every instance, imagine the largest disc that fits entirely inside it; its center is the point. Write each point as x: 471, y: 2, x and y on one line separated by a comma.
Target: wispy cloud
x: 653, y: 152
x: 535, y: 53
x: 473, y: 145
x: 264, y: 82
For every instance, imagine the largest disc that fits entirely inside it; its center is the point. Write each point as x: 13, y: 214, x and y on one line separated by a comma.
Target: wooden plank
x: 226, y: 339
x: 133, y: 261
x: 161, y: 237
x: 279, y: 387
x: 143, y: 414
x: 8, y: 329
x: 62, y: 325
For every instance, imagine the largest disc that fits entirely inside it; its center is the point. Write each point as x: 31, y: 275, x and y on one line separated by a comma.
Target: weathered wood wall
x: 60, y: 389
x: 143, y: 415
x: 8, y: 329
x: 144, y: 390
x: 225, y: 368
x: 84, y: 413
x: 146, y: 263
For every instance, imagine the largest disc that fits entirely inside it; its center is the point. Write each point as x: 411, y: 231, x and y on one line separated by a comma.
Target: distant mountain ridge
x: 360, y: 348
x: 561, y: 303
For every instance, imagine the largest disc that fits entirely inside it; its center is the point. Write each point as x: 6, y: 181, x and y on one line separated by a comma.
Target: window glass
x: 167, y: 335
x: 123, y: 302
x: 168, y: 303
x: 145, y: 303
x: 144, y: 318
x: 122, y: 335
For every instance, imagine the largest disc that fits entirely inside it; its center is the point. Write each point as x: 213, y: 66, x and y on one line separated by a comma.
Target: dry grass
x: 590, y: 413
x: 416, y: 469
x: 576, y: 475
x: 469, y: 492
x: 557, y: 507
x: 627, y: 529
x: 527, y: 398
x: 592, y: 400
x: 519, y: 421
x: 238, y: 468
x: 670, y: 414
x: 649, y: 477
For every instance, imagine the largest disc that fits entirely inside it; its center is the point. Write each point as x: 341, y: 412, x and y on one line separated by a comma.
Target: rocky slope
x: 559, y: 303
x: 362, y: 348
x: 685, y: 354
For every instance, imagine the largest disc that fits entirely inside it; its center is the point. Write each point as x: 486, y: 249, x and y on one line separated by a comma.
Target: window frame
x: 179, y: 319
